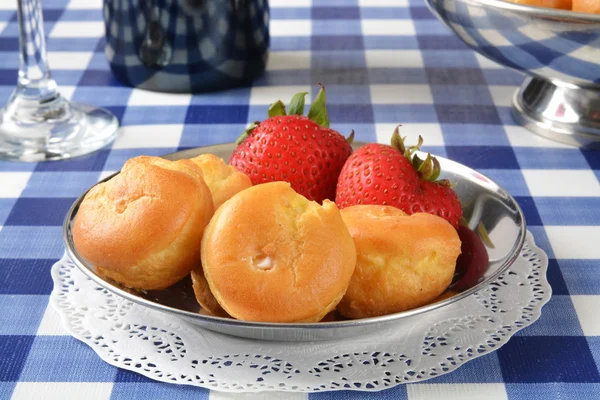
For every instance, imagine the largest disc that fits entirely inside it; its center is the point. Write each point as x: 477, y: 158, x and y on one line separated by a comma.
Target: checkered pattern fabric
x: 384, y: 62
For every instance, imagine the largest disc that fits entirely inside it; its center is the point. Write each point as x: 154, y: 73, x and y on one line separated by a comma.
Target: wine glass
x: 39, y: 124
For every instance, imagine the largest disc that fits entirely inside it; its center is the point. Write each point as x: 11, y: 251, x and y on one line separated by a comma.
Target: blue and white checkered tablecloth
x: 384, y: 62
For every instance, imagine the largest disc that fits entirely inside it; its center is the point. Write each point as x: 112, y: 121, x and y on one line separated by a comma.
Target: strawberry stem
x: 397, y: 141
x: 318, y: 109
x: 350, y: 138
x: 428, y: 169
x: 247, y: 132
x: 297, y: 104
x: 483, y: 234
x: 277, y: 109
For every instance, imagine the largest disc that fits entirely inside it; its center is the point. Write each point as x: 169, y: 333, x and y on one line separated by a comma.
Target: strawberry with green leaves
x: 394, y: 175
x: 294, y: 148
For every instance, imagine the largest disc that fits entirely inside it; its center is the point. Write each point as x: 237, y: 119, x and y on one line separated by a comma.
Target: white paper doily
x: 168, y: 349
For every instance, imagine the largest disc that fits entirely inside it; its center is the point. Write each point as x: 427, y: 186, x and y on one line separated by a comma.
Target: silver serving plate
x: 559, y: 50
x: 483, y: 201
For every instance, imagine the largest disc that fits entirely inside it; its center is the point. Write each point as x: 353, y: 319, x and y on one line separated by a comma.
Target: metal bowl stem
x: 561, y: 112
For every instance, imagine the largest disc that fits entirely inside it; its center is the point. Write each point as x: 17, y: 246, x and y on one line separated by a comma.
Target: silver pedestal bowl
x: 558, y: 50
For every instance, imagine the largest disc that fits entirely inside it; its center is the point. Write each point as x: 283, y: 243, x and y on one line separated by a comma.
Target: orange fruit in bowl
x: 562, y: 4
x: 588, y: 6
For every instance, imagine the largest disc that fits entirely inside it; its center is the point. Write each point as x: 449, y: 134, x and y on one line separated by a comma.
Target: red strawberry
x: 473, y: 260
x: 293, y: 148
x: 393, y: 175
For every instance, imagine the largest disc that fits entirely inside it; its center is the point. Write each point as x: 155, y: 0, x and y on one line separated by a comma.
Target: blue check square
x: 451, y: 58
x: 64, y: 359
x: 73, y: 44
x: 204, y: 135
x: 283, y: 78
x: 510, y: 179
x: 592, y: 158
x: 391, y: 43
x: 102, y: 96
x: 533, y: 359
x: 206, y: 114
x: 7, y: 389
x: 502, y: 77
x: 149, y: 115
x: 337, y: 42
x: 8, y: 76
x: 468, y: 114
x: 440, y: 42
x: 552, y: 390
x: 421, y: 12
x: 89, y: 162
x: 350, y: 113
x: 279, y: 13
x: 476, y: 157
x: 99, y: 77
x: 13, y: 354
x: 385, y: 13
x: 6, y: 206
x: 558, y: 319
x: 404, y: 113
x: 21, y: 314
x: 473, y: 134
x: 43, y: 184
x: 527, y: 204
x: 594, y: 343
x: 388, y: 75
x: 73, y: 14
x: 582, y: 277
x: 461, y: 94
x: 25, y: 276
x: 569, y: 210
x: 30, y: 242
x: 556, y: 279
x: 291, y: 43
x: 237, y: 96
x: 329, y: 13
x: 455, y: 76
x: 340, y: 27
x: 32, y: 211
x: 550, y: 158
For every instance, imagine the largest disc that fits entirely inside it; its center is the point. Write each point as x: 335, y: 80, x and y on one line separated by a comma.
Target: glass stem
x: 35, y: 80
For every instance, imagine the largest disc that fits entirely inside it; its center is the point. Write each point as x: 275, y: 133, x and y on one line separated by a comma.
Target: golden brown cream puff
x: 143, y: 227
x: 223, y: 180
x: 271, y: 255
x: 587, y: 6
x: 203, y: 294
x: 403, y: 261
x: 561, y: 4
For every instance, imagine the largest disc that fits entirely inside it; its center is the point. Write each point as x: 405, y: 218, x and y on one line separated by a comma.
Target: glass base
x: 54, y: 129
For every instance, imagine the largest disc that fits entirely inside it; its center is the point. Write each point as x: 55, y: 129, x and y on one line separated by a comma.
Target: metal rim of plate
x: 316, y: 331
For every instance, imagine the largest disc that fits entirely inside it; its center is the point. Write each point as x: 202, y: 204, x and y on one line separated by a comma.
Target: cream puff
x: 223, y: 180
x: 204, y: 295
x: 143, y: 227
x: 271, y: 255
x: 560, y: 4
x: 403, y: 261
x: 586, y: 6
